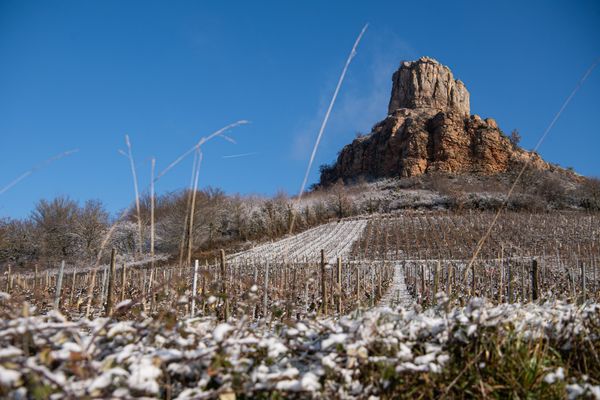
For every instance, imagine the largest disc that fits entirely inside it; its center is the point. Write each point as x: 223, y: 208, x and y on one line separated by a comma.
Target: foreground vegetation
x: 545, y: 350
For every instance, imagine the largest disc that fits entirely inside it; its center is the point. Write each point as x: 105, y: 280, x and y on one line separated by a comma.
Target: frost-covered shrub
x: 511, y: 350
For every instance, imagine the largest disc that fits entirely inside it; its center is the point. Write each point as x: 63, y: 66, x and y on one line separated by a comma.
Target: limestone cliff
x: 428, y: 128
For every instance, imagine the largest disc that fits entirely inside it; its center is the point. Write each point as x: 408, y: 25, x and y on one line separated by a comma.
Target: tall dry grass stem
x: 152, y: 206
x: 36, y: 168
x: 112, y: 228
x: 325, y: 120
x: 137, y: 194
x: 526, y: 164
x: 193, y: 209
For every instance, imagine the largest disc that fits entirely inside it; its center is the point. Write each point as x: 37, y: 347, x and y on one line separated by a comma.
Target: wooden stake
x: 59, y: 285
x: 204, y: 289
x: 339, y: 284
x: 323, y: 285
x: 111, y: 282
x: 473, y: 282
x: 194, y: 289
x: 595, y: 278
x: 103, y: 289
x: 90, y: 294
x: 73, y: 285
x: 422, y: 299
x: 583, y: 293
x: 501, y: 276
x: 436, y: 278
x: 523, y: 289
x: 266, y: 292
x: 357, y: 285
x: 123, y: 281
x: 534, y: 280
x: 224, y: 286
x: 8, y: 280
x: 510, y: 279
x: 449, y: 280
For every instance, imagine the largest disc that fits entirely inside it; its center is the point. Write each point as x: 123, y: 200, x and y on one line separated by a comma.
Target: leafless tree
x: 90, y: 227
x: 55, y: 222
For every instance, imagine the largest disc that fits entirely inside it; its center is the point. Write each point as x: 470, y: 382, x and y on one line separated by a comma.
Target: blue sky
x: 82, y: 74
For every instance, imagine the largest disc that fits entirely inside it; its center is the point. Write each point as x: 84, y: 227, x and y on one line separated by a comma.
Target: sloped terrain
x: 335, y: 238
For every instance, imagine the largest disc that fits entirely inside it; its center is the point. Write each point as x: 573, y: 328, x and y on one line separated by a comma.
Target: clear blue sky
x: 82, y: 74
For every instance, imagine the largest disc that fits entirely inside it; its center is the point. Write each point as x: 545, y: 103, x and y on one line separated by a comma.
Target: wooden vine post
x: 501, y: 276
x: 224, y: 286
x: 339, y: 284
x: 73, y: 286
x: 203, y: 289
x: 123, y: 280
x: 436, y: 278
x: 358, y: 285
x: 523, y: 284
x: 323, y: 285
x: 535, y: 290
x: 8, y: 279
x: 509, y: 282
x: 379, y: 289
x: 194, y: 289
x: 449, y: 277
x: 111, y: 282
x: 59, y: 285
x: 473, y: 281
x: 266, y: 292
x: 422, y: 298
x: 583, y: 293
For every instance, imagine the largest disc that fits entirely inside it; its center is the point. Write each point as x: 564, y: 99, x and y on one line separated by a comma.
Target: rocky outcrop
x: 428, y: 129
x: 428, y: 84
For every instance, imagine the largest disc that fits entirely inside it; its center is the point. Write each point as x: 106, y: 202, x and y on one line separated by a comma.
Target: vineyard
x: 342, y: 266
x: 525, y: 258
x: 334, y: 311
x: 300, y: 276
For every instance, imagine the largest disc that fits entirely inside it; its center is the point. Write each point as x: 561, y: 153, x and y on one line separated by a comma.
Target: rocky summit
x: 428, y: 128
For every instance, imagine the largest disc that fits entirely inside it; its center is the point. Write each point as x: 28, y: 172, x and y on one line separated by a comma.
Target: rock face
x: 428, y: 84
x: 428, y: 128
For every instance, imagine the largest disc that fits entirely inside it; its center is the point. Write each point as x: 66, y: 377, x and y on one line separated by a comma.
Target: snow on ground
x: 397, y: 294
x: 129, y: 261
x: 335, y: 238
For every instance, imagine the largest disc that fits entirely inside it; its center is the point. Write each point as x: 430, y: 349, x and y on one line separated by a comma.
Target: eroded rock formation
x: 428, y: 128
x: 428, y: 84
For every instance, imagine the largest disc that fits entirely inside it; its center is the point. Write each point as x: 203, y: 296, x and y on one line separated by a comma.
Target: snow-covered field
x: 335, y: 238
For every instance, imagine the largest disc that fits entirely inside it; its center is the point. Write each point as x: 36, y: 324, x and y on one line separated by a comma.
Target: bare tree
x: 340, y: 199
x: 55, y: 221
x: 590, y: 193
x: 91, y: 225
x: 18, y: 241
x: 515, y: 138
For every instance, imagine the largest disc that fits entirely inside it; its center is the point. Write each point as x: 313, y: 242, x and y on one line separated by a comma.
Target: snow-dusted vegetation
x: 544, y: 350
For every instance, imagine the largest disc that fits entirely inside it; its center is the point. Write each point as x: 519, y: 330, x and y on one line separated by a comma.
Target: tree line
x: 63, y: 229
